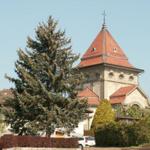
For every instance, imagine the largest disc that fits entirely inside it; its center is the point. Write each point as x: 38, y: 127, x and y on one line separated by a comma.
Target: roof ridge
x: 116, y: 43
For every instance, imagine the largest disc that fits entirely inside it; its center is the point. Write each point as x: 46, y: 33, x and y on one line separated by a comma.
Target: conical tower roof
x: 104, y: 49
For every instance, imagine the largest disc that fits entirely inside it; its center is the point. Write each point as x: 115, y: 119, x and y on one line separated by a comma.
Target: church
x: 109, y: 75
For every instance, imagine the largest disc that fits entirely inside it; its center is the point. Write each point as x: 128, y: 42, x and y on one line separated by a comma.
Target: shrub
x: 106, y: 135
x: 130, y: 111
x: 104, y: 115
x: 122, y: 134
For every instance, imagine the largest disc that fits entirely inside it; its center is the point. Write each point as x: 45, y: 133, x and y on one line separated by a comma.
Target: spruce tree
x: 45, y: 90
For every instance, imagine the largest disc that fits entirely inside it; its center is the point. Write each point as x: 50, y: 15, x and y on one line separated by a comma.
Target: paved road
x: 94, y: 148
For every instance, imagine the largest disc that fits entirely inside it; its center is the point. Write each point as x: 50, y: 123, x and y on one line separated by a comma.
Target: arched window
x: 87, y: 78
x: 135, y: 106
x: 111, y: 74
x: 97, y: 75
x: 131, y: 78
x: 121, y: 76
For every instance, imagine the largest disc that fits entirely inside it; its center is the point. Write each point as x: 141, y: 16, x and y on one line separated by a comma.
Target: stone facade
x: 115, y: 78
x: 105, y: 80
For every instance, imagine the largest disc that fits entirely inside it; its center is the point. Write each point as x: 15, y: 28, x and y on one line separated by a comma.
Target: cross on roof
x: 104, y: 15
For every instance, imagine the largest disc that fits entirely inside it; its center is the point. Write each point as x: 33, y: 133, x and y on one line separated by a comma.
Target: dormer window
x: 114, y: 49
x: 93, y: 49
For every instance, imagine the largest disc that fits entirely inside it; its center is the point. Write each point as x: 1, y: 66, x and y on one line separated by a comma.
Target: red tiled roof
x: 120, y: 95
x: 92, y: 98
x: 5, y: 93
x: 123, y: 91
x: 87, y: 92
x: 117, y: 100
x: 104, y: 49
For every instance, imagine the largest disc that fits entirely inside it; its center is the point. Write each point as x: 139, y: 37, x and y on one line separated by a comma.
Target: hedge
x: 121, y: 134
x: 8, y: 141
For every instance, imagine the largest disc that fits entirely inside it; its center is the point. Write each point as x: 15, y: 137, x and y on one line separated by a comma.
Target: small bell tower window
x: 111, y: 74
x: 131, y: 78
x: 115, y: 50
x: 93, y: 49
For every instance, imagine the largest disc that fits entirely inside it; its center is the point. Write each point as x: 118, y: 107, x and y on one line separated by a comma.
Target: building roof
x: 104, y: 49
x: 117, y: 100
x: 119, y: 96
x: 5, y: 93
x: 92, y: 98
x: 123, y: 91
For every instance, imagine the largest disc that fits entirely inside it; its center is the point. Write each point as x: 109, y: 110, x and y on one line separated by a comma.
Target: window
x: 111, y: 74
x: 131, y: 78
x: 97, y: 75
x: 114, y: 49
x: 87, y: 77
x: 135, y: 106
x: 93, y: 49
x: 121, y: 76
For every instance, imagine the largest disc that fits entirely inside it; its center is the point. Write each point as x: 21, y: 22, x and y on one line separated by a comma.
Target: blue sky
x: 128, y: 21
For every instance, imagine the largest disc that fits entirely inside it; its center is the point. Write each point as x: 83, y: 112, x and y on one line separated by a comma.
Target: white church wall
x: 117, y: 78
x: 84, y: 125
x: 111, y: 87
x: 79, y: 131
x: 120, y: 75
x: 88, y: 122
x: 136, y: 98
x: 97, y: 88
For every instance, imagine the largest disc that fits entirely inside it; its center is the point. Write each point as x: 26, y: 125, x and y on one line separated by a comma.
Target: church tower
x: 108, y: 72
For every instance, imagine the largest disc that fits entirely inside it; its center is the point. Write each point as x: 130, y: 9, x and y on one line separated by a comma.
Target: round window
x: 121, y: 76
x: 111, y: 74
x: 131, y: 78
